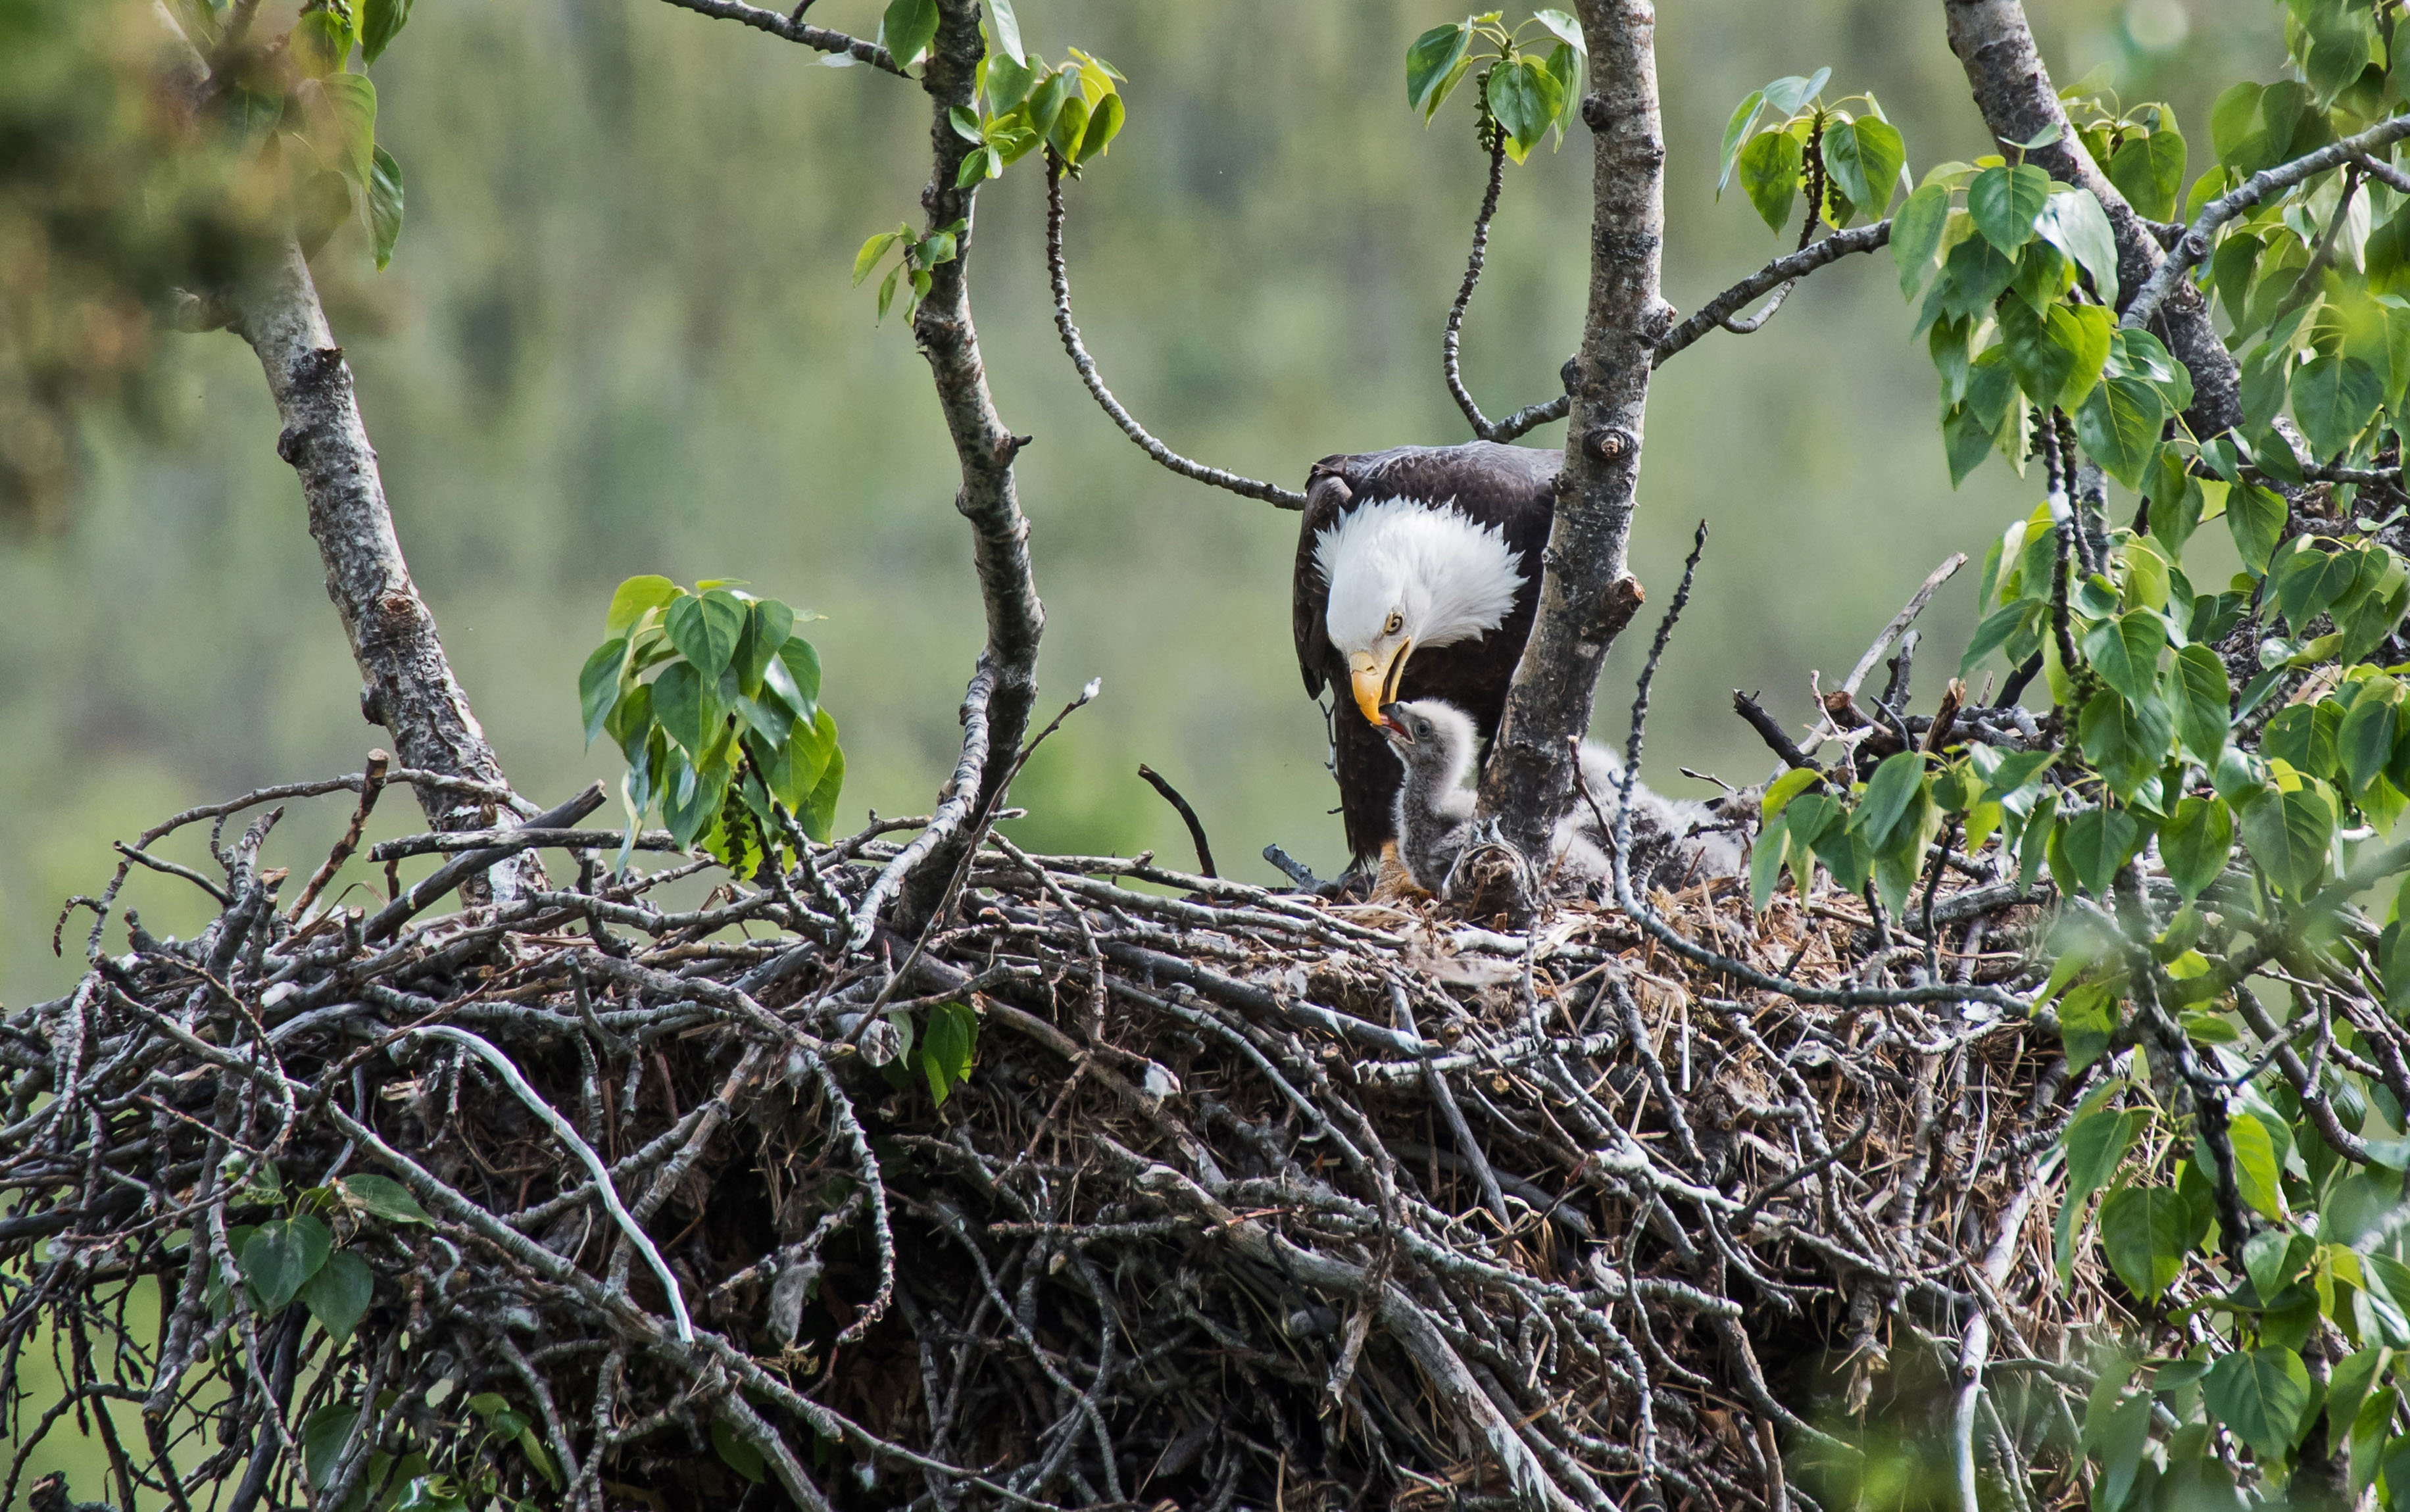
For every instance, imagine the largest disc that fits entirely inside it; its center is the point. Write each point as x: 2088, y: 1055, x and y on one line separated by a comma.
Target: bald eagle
x: 1418, y: 570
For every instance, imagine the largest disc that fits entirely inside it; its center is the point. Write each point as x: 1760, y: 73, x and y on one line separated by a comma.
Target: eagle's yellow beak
x: 1376, y: 684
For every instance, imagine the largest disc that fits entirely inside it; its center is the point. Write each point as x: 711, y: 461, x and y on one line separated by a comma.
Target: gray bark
x: 984, y: 448
x: 407, y: 681
x: 1587, y: 593
x: 2013, y: 89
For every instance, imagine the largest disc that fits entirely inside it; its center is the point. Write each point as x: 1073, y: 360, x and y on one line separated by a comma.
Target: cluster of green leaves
x: 715, y: 701
x: 293, y: 1257
x: 2020, y: 317
x: 316, y: 119
x: 1852, y: 158
x: 2199, y: 841
x: 1527, y: 88
x: 302, y: 1256
x: 399, y: 1477
x: 1074, y: 109
x: 920, y: 256
x: 940, y: 1050
x: 2312, y: 285
x: 2326, y: 1253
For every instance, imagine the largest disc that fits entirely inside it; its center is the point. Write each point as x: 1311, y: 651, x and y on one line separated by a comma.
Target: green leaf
x: 2196, y: 843
x: 1889, y: 793
x: 2126, y: 740
x: 2003, y: 201
x: 2146, y: 1231
x: 2347, y: 1386
x: 320, y: 43
x: 338, y: 1295
x: 2286, y: 835
x: 381, y: 21
x: 385, y: 205
x: 1785, y: 95
x: 1006, y: 28
x: 2256, y: 518
x: 2261, y: 1396
x: 2119, y: 426
x: 637, y: 597
x: 1865, y: 157
x: 2097, y: 841
x: 691, y: 798
x: 382, y: 1197
x: 1566, y: 29
x: 1765, y: 859
x: 2149, y: 172
x: 1744, y: 116
x: 598, y: 684
x: 280, y: 1256
x: 1769, y: 175
x: 341, y: 110
x: 2304, y: 737
x: 2335, y: 398
x: 863, y: 261
x: 1104, y: 125
x: 678, y: 706
x: 909, y: 26
x: 947, y: 1047
x: 736, y: 1454
x: 2077, y: 225
x: 324, y: 1433
x: 2254, y: 1165
x: 1430, y: 59
x: 1916, y: 234
x: 2364, y: 744
x: 1524, y: 96
x: 705, y: 630
x: 2126, y: 652
x: 817, y: 815
x: 1973, y: 275
x: 2096, y: 1142
x: 2043, y: 366
x: 2203, y: 696
x: 1783, y: 789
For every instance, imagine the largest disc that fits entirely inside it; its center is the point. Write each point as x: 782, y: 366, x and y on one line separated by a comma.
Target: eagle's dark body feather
x: 1510, y: 487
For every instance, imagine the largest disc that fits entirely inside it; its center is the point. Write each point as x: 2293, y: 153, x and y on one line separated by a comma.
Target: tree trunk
x: 1587, y: 593
x: 406, y: 680
x: 996, y: 714
x: 2013, y: 89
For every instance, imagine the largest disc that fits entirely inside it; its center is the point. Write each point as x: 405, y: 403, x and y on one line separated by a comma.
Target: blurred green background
x: 618, y: 337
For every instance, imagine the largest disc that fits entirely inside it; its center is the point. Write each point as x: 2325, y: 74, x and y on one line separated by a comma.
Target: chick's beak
x: 1376, y: 684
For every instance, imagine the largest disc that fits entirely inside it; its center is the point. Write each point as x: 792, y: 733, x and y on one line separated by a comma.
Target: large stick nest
x: 1249, y: 1199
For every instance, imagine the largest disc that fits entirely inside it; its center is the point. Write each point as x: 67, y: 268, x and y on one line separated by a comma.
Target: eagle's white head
x: 1402, y: 573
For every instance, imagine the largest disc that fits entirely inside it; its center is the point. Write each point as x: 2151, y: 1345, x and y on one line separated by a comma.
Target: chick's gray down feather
x: 1673, y: 841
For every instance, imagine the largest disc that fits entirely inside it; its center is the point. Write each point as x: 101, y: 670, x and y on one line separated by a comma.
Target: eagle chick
x: 1673, y: 841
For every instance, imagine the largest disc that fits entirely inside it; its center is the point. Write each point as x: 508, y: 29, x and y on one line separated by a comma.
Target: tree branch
x: 2165, y: 282
x: 2013, y: 89
x: 1244, y: 486
x: 1449, y: 338
x: 1782, y: 271
x: 793, y: 30
x: 410, y: 687
x: 1587, y: 593
x: 407, y: 681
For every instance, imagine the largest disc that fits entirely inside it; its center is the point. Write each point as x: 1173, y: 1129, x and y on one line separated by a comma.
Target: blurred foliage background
x: 618, y: 337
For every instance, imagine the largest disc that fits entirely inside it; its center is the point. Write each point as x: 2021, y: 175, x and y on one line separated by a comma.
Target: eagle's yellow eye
x: 1397, y: 623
